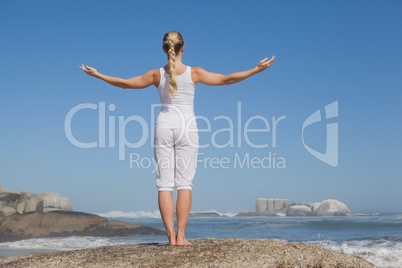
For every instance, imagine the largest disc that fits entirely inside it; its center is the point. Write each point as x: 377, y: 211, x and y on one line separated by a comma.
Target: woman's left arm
x: 146, y: 80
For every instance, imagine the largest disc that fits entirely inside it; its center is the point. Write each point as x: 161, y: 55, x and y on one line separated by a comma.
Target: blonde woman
x: 176, y: 135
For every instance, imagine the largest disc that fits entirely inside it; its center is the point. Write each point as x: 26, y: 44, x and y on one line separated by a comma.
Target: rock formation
x: 26, y: 202
x: 29, y: 202
x: 298, y: 210
x: 64, y: 224
x: 276, y: 206
x: 273, y: 205
x: 332, y: 207
x: 26, y: 215
x: 53, y: 201
x: 208, y: 252
x: 8, y: 200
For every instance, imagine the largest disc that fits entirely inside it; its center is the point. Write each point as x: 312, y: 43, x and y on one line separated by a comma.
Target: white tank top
x: 177, y: 112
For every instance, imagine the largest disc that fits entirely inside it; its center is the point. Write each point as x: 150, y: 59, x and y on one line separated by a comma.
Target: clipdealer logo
x: 330, y: 156
x: 271, y: 161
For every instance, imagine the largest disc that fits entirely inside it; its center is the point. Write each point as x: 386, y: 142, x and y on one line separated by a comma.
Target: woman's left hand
x: 89, y: 70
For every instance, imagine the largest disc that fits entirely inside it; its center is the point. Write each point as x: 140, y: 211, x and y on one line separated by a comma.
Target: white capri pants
x: 176, y: 152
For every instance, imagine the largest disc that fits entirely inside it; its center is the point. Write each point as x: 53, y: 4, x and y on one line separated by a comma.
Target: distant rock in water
x: 273, y: 205
x: 332, y: 207
x: 282, y: 207
x: 312, y: 205
x: 64, y: 224
x: 298, y: 210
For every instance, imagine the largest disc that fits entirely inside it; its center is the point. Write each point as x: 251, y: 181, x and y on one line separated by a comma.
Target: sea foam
x: 131, y: 214
x: 154, y: 214
x: 384, y: 252
x: 65, y: 243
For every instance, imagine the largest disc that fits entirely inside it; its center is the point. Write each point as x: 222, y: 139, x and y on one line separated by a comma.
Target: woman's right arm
x: 215, y: 79
x: 143, y: 81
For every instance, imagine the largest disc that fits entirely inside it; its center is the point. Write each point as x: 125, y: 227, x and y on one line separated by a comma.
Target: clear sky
x: 327, y: 51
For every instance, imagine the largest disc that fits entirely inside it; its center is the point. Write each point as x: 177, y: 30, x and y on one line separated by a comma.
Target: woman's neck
x: 179, y: 66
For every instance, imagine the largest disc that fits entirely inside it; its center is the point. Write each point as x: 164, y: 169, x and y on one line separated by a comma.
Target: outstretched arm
x: 215, y: 79
x: 146, y: 80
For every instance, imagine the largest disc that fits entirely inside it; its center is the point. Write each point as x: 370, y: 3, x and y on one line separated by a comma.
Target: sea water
x: 375, y: 237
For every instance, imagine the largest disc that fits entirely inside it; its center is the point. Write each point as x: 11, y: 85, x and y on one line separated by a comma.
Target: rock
x: 299, y: 210
x: 261, y: 205
x: 7, y: 211
x: 207, y: 252
x: 53, y: 201
x: 278, y: 205
x: 9, y: 199
x: 309, y: 204
x: 315, y: 207
x: 29, y: 202
x: 332, y: 207
x: 26, y: 202
x: 272, y: 205
x: 64, y: 224
x: 1, y: 188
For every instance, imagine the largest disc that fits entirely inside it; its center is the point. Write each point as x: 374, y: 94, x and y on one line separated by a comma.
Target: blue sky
x: 345, y: 51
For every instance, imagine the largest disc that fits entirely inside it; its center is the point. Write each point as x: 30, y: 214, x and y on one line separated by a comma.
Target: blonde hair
x: 172, y: 44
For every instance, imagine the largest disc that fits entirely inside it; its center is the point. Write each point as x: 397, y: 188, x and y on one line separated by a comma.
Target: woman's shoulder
x: 154, y: 72
x: 154, y: 76
x: 197, y: 70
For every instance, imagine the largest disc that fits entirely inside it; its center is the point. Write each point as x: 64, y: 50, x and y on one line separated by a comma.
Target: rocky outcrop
x: 276, y: 206
x: 261, y: 205
x: 26, y: 202
x: 9, y: 199
x: 299, y: 210
x: 53, y: 201
x: 273, y: 205
x: 332, y: 207
x: 312, y: 205
x: 208, y: 252
x: 29, y: 202
x: 26, y: 215
x: 63, y: 224
x: 7, y: 211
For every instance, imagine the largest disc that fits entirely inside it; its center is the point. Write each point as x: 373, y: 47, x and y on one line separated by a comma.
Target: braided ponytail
x: 172, y: 43
x: 172, y: 66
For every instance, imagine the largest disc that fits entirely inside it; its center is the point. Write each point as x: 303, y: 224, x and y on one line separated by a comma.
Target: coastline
x: 208, y: 252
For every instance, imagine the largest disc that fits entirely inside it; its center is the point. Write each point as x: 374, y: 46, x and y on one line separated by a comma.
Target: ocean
x: 375, y: 237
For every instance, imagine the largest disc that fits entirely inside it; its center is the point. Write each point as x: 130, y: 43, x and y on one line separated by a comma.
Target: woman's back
x: 185, y: 88
x: 181, y: 106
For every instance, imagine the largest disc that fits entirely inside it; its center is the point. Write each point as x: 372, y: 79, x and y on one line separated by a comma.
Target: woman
x: 176, y: 135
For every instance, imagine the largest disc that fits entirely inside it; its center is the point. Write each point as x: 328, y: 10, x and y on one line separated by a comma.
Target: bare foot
x: 182, y: 242
x: 172, y: 239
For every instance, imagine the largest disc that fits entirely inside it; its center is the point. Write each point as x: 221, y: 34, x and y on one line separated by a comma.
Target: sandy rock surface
x: 203, y: 253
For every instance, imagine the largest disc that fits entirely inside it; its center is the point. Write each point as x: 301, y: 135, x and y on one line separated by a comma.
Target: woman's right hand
x: 264, y: 64
x: 89, y: 70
